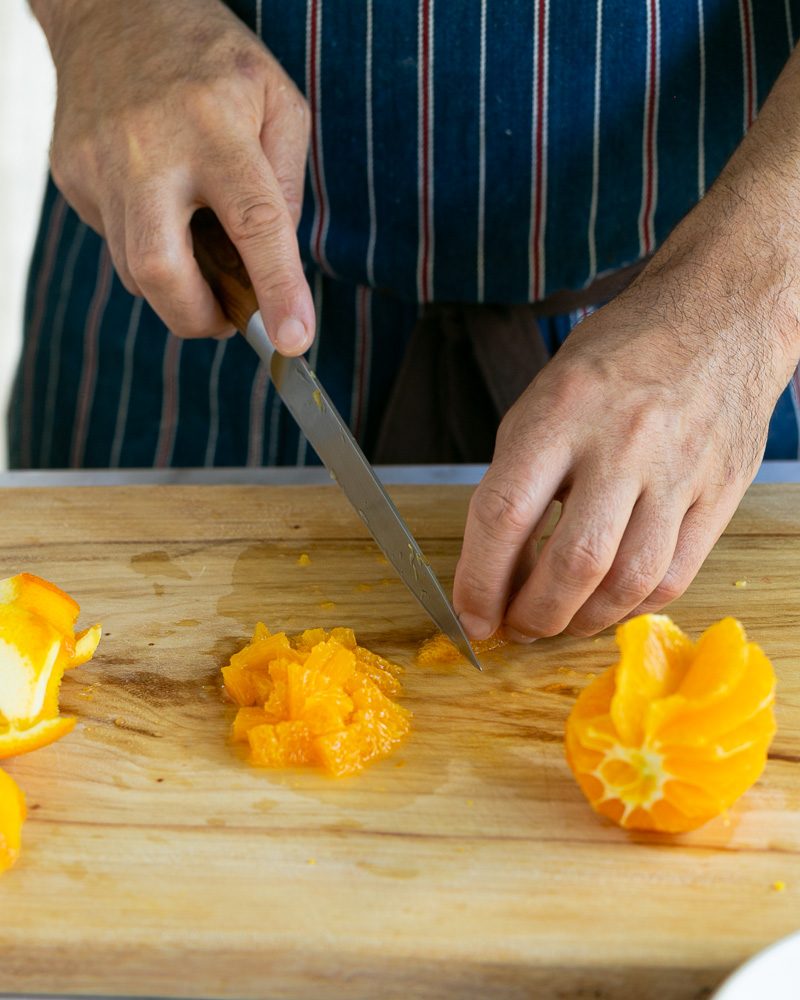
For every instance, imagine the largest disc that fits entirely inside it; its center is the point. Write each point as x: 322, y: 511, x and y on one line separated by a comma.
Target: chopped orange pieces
x: 676, y: 731
x: 440, y: 650
x: 37, y: 644
x: 318, y: 698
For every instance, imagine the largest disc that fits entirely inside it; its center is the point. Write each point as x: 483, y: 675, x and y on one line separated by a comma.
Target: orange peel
x: 37, y: 644
x: 12, y: 816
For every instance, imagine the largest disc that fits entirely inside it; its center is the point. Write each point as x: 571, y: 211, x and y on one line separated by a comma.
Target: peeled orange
x: 318, y: 698
x: 676, y: 731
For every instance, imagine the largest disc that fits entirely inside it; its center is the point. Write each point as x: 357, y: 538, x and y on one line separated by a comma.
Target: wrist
x: 59, y: 17
x: 733, y: 267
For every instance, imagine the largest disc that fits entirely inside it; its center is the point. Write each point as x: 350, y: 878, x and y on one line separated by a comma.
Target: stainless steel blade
x: 330, y: 437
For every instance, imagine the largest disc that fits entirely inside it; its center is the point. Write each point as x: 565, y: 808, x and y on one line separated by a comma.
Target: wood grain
x: 156, y: 862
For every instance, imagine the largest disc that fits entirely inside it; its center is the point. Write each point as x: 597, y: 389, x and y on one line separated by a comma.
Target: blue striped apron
x: 467, y: 152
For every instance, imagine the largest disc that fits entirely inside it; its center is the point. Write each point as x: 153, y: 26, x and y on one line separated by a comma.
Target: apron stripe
x: 481, y: 266
x: 598, y: 66
x: 701, y: 102
x: 56, y: 227
x: 319, y: 229
x: 313, y: 359
x: 259, y: 17
x: 370, y: 263
x: 539, y: 187
x: 789, y: 27
x: 88, y: 383
x: 54, y: 346
x: 274, y: 428
x: 360, y: 395
x: 650, y: 132
x: 748, y: 62
x: 170, y: 401
x: 127, y: 380
x: 258, y: 405
x: 425, y: 149
x: 213, y: 403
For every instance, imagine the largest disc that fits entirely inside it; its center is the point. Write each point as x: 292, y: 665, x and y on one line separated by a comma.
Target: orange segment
x: 654, y: 655
x: 12, y: 816
x: 674, y: 733
x: 318, y: 699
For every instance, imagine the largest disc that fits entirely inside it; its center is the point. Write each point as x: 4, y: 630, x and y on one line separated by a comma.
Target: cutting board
x: 158, y: 863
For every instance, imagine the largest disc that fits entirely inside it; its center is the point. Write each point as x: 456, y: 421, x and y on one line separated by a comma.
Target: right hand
x: 167, y: 107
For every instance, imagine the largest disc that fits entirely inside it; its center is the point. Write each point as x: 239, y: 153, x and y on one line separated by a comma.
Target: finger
x: 246, y: 197
x: 699, y: 532
x: 576, y: 557
x: 114, y: 232
x: 158, y: 250
x: 284, y: 139
x: 504, y: 510
x: 644, y: 555
x: 530, y: 551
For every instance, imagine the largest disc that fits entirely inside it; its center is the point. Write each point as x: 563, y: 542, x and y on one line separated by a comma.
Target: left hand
x: 649, y: 424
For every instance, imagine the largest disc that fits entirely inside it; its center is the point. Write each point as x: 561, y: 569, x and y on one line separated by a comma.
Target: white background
x: 27, y: 97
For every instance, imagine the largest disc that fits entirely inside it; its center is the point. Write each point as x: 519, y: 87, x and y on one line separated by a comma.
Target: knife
x: 328, y: 434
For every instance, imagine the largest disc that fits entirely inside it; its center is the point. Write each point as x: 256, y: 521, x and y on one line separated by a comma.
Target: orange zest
x: 675, y: 732
x: 318, y: 698
x: 38, y: 643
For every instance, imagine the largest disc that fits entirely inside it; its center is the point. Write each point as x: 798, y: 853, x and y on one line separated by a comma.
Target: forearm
x: 743, y: 238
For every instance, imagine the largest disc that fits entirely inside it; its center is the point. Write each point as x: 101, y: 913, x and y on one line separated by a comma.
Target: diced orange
x: 440, y: 650
x: 319, y: 699
x: 246, y: 719
x: 12, y: 816
x: 675, y: 732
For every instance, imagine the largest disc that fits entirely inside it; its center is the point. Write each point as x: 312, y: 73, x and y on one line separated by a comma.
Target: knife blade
x: 326, y: 431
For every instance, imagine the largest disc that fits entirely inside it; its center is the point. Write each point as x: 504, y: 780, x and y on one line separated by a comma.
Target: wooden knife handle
x: 223, y: 268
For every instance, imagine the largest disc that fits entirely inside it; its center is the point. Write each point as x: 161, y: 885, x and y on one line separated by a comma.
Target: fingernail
x: 475, y: 627
x: 291, y: 337
x: 514, y: 636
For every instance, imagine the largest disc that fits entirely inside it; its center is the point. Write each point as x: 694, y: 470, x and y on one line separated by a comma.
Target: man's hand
x: 167, y: 107
x: 650, y: 422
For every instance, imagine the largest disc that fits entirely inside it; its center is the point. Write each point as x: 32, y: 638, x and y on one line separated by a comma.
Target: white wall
x: 27, y: 97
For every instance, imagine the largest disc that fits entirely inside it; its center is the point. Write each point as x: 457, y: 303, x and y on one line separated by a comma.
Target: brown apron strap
x: 465, y: 365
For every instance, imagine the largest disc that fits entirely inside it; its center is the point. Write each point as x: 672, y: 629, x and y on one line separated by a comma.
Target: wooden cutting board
x: 156, y: 862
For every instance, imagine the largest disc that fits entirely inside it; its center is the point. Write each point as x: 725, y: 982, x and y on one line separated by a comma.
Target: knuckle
x: 503, y: 508
x: 255, y: 216
x: 151, y: 268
